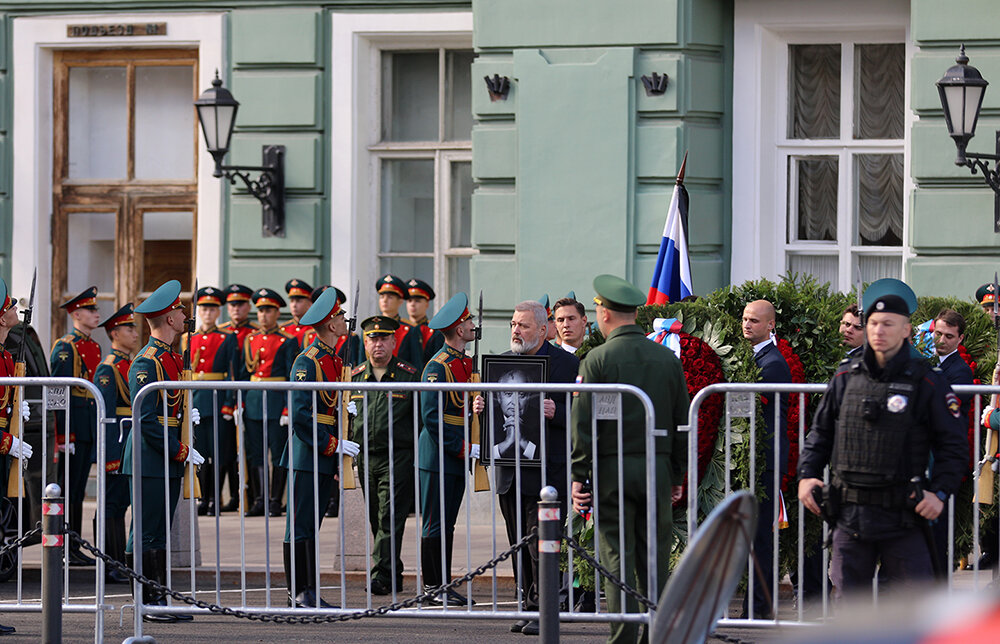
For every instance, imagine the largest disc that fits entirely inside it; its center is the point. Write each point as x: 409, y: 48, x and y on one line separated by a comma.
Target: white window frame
x: 358, y: 40
x: 763, y: 30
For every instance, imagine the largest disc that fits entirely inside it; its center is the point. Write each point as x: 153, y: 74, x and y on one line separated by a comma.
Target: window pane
x: 407, y: 217
x: 90, y: 258
x: 878, y: 181
x: 407, y: 267
x: 164, y: 122
x: 878, y: 91
x: 822, y: 267
x: 814, y: 187
x: 458, y: 275
x: 167, y: 248
x: 461, y: 204
x: 875, y: 267
x: 410, y: 96
x: 98, y: 123
x: 458, y: 95
x: 814, y: 94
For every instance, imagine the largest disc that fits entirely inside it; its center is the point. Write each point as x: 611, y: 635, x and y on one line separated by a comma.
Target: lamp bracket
x: 268, y: 188
x: 979, y: 162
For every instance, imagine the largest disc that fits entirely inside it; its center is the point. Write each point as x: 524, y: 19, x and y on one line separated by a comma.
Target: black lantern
x: 217, y: 114
x: 961, y: 90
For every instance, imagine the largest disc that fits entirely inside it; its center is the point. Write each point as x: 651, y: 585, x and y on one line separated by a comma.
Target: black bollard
x: 549, y: 540
x: 52, y: 564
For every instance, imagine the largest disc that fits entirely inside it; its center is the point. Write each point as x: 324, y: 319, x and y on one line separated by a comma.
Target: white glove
x: 68, y: 448
x: 238, y: 415
x: 20, y: 449
x: 985, y: 418
x: 474, y: 450
x: 352, y: 408
x: 283, y: 421
x: 348, y: 448
x: 227, y: 416
x: 195, y: 416
x: 25, y: 411
x: 194, y: 457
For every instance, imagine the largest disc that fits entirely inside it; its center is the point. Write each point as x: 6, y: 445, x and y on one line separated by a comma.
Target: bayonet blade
x: 996, y: 304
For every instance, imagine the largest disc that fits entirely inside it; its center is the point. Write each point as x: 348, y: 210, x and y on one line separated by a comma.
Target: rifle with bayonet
x: 16, y: 420
x: 347, y: 474
x: 192, y: 486
x: 481, y: 480
x: 984, y: 491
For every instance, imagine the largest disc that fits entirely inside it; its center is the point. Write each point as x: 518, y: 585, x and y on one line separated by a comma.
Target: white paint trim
x: 33, y: 43
x: 356, y: 39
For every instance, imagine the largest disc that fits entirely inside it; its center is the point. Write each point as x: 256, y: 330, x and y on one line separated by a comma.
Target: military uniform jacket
x: 349, y: 348
x: 76, y: 355
x: 449, y: 365
x: 213, y: 352
x: 155, y: 363
x: 378, y: 411
x: 299, y: 331
x: 267, y: 357
x: 431, y: 339
x: 409, y: 344
x: 6, y: 402
x: 318, y: 363
x: 628, y: 357
x: 111, y: 378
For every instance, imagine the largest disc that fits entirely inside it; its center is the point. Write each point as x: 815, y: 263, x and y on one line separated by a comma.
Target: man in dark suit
x: 758, y: 324
x: 528, y: 331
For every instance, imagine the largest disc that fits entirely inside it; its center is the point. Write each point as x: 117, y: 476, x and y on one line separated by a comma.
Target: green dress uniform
x: 629, y: 358
x: 375, y: 470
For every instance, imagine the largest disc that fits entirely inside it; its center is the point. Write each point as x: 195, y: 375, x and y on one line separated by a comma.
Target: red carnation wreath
x: 972, y: 410
x: 798, y: 377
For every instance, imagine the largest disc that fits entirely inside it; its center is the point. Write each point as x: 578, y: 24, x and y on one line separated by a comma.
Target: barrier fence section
x: 514, y: 409
x: 56, y: 395
x: 741, y: 403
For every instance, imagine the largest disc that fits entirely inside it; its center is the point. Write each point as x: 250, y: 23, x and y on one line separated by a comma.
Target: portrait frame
x: 527, y: 430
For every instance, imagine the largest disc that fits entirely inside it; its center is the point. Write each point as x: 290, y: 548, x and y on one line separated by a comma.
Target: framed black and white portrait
x: 512, y: 420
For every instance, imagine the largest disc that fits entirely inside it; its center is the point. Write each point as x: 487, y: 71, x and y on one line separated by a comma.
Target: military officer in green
x: 111, y: 378
x: 629, y: 358
x: 157, y: 362
x: 444, y: 428
x: 381, y: 366
x: 318, y: 363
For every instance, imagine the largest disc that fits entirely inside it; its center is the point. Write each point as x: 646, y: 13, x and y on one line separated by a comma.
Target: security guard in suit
x: 111, y: 377
x: 213, y: 351
x: 267, y: 357
x: 385, y: 517
x: 318, y: 363
x: 627, y: 357
x: 158, y: 362
x: 444, y: 428
x: 76, y: 355
x: 418, y: 299
x: 237, y: 298
x: 391, y: 295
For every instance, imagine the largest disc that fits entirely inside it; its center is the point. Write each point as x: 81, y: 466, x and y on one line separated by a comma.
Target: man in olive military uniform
x: 111, y: 378
x: 318, y: 363
x: 389, y: 501
x: 418, y: 299
x: 76, y: 355
x: 444, y: 428
x: 157, y: 362
x: 629, y: 358
x: 882, y: 414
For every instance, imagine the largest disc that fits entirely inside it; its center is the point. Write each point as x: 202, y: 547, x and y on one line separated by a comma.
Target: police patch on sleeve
x: 953, y: 404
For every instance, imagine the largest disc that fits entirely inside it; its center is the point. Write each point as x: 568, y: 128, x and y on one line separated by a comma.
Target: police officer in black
x: 883, y: 412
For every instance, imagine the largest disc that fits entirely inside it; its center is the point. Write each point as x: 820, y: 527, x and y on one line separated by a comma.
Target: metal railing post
x: 548, y: 565
x: 52, y: 563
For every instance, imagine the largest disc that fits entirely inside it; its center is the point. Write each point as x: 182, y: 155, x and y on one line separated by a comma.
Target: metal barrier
x: 742, y: 405
x: 257, y: 553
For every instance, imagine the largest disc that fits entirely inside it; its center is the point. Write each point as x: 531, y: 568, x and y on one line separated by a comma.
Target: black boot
x: 77, y: 558
x: 114, y: 547
x: 161, y: 568
x: 430, y: 567
x: 232, y: 475
x: 455, y: 598
x: 278, y: 477
x: 303, y: 595
x: 206, y: 477
x: 256, y: 492
x: 150, y: 596
x: 333, y: 507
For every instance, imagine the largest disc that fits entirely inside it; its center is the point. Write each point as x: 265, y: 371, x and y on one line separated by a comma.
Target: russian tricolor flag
x: 672, y: 277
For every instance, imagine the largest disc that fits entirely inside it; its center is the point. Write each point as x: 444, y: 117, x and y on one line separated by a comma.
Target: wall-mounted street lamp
x: 217, y: 115
x: 961, y: 90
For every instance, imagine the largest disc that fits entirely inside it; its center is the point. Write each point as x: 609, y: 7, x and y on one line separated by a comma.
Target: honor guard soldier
x: 238, y: 309
x: 384, y: 516
x: 267, y: 357
x: 213, y: 352
x: 449, y: 365
x: 76, y: 355
x: 318, y: 363
x: 629, y: 358
x: 986, y: 296
x: 157, y: 362
x: 299, y: 301
x: 551, y: 321
x: 883, y: 413
x: 418, y: 298
x: 111, y: 377
x: 349, y: 347
x: 391, y: 294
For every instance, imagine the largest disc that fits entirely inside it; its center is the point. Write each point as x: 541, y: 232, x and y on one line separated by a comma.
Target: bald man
x: 758, y: 324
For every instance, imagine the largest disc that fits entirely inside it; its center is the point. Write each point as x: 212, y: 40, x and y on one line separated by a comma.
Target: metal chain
x: 311, y: 619
x: 610, y: 576
x: 17, y: 543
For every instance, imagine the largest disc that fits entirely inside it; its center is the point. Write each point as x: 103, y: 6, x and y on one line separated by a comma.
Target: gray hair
x: 541, y: 317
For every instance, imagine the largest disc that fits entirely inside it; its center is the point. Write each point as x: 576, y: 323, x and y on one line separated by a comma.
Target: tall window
x: 842, y: 150
x: 424, y: 164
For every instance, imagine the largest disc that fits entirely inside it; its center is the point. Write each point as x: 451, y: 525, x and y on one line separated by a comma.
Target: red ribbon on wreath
x: 792, y: 418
